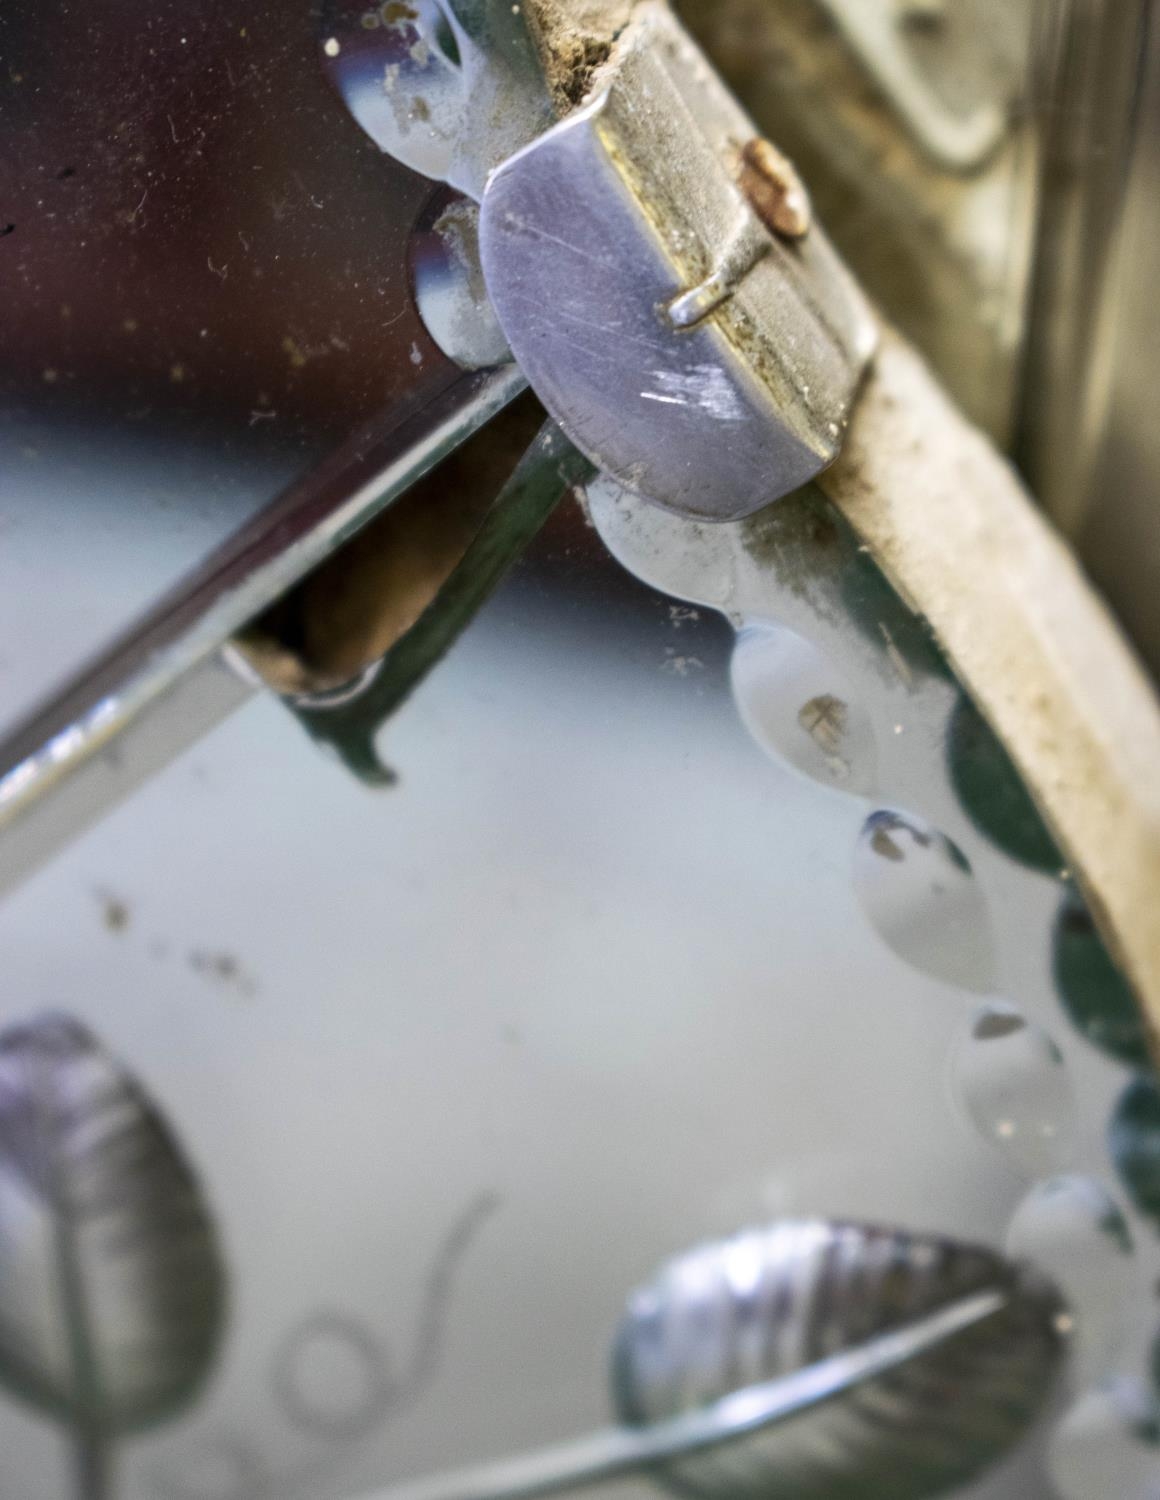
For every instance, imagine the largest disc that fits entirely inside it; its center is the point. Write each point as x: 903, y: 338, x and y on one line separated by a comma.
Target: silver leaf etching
x: 112, y: 1283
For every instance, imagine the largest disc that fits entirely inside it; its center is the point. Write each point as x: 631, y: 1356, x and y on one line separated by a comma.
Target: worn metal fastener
x: 663, y: 298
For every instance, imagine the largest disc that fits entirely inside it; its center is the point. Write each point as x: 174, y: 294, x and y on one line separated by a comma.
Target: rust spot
x: 775, y: 192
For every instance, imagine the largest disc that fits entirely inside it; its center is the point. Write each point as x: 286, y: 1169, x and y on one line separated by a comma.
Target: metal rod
x: 168, y: 678
x: 549, y: 468
x: 618, y: 1451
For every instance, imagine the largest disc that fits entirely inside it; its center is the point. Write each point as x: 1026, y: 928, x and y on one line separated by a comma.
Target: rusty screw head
x: 774, y: 190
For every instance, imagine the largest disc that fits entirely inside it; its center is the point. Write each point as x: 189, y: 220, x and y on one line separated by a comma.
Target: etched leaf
x: 112, y: 1287
x: 770, y: 1301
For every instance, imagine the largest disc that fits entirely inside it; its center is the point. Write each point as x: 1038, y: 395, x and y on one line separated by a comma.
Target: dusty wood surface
x: 954, y: 530
x: 573, y: 37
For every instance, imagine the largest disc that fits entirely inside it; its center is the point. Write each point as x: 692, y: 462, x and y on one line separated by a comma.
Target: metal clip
x: 695, y: 343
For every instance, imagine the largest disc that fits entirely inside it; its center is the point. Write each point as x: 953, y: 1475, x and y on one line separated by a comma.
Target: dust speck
x: 297, y: 355
x: 885, y: 846
x: 114, y: 911
x: 222, y: 968
x: 680, y: 666
x: 994, y: 1023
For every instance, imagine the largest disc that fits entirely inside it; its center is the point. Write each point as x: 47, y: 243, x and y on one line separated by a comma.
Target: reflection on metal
x: 592, y: 231
x: 350, y: 718
x: 882, y: 34
x: 735, y: 1338
x: 168, y: 681
x: 448, y: 87
x: 112, y: 1287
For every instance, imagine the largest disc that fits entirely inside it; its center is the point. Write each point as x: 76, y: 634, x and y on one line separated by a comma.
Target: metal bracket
x: 704, y: 360
x: 650, y: 260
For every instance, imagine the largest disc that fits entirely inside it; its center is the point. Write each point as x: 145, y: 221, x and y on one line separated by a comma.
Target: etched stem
x: 93, y: 1462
